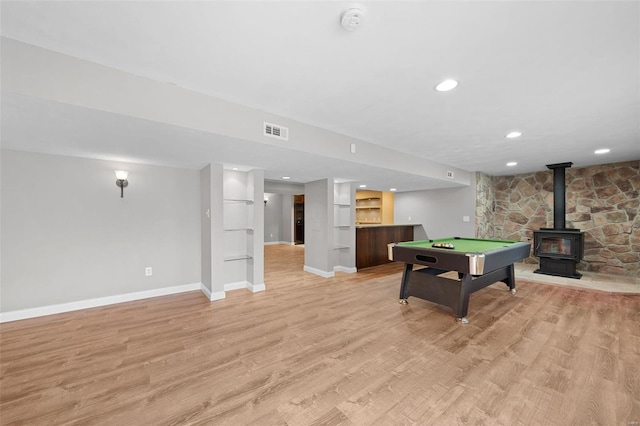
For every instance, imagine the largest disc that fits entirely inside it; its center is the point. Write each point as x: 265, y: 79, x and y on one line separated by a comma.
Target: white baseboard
x: 94, y: 303
x: 205, y: 290
x: 345, y: 269
x: 274, y: 243
x: 236, y: 286
x: 256, y: 288
x: 217, y: 295
x: 323, y: 274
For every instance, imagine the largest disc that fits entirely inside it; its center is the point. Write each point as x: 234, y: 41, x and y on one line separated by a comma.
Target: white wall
x: 39, y: 73
x: 273, y: 218
x: 440, y: 211
x: 283, y: 188
x: 286, y: 191
x: 255, y: 246
x: 68, y: 236
x: 286, y: 223
x: 318, y: 228
x: 205, y: 228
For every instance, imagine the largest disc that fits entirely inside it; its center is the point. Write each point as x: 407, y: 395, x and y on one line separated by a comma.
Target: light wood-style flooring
x: 341, y: 351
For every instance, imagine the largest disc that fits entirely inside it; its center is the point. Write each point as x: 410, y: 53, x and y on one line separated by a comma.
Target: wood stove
x: 559, y: 251
x: 559, y: 248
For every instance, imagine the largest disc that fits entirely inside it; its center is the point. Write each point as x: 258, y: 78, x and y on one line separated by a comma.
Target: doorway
x: 298, y: 215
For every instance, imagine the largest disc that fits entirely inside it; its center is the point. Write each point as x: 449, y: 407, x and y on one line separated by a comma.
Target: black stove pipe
x: 559, y: 207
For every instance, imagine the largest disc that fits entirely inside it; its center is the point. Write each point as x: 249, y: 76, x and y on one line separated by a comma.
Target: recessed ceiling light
x: 393, y: 189
x: 513, y: 135
x: 512, y: 163
x: 446, y: 85
x: 362, y: 186
x: 235, y: 168
x: 601, y: 151
x: 286, y: 177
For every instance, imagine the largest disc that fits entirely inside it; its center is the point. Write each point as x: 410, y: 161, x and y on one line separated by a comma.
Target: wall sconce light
x: 121, y: 180
x: 266, y: 199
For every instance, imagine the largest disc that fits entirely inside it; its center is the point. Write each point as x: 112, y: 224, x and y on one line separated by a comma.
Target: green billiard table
x: 478, y: 263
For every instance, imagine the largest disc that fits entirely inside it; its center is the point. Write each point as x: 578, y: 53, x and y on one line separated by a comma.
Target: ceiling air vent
x: 275, y: 131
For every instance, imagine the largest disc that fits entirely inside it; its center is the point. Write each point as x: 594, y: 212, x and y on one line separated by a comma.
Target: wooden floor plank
x: 341, y: 351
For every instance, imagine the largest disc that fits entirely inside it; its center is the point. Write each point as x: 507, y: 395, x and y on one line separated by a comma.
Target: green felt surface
x: 466, y: 245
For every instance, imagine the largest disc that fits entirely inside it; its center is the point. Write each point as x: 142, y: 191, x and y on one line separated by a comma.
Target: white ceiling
x: 565, y: 73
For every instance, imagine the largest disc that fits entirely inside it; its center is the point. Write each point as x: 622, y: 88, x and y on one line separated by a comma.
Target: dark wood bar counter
x: 372, y: 240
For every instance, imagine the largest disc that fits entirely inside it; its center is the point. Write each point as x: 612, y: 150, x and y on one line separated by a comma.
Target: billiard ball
x: 443, y: 245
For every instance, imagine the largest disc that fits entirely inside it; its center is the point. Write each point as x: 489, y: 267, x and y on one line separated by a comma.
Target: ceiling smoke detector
x: 352, y: 19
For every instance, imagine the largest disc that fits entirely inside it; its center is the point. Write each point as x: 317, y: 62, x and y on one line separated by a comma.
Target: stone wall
x: 602, y: 201
x: 485, y: 206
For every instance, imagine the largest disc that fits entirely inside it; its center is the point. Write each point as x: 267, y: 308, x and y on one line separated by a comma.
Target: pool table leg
x: 463, y: 302
x: 404, y: 288
x: 510, y: 281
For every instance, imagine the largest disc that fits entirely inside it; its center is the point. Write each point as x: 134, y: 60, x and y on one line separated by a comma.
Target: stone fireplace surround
x: 602, y: 201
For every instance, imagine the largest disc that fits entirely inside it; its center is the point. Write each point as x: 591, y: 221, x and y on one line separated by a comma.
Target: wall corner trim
x: 256, y: 287
x: 94, y: 303
x: 315, y: 271
x: 218, y: 295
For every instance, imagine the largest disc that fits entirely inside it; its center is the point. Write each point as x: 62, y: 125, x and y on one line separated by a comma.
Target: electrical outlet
x: 148, y: 271
x: 465, y: 218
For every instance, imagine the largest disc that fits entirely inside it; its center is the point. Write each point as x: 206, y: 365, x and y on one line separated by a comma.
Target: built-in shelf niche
x: 239, y: 215
x: 343, y: 228
x: 374, y: 207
